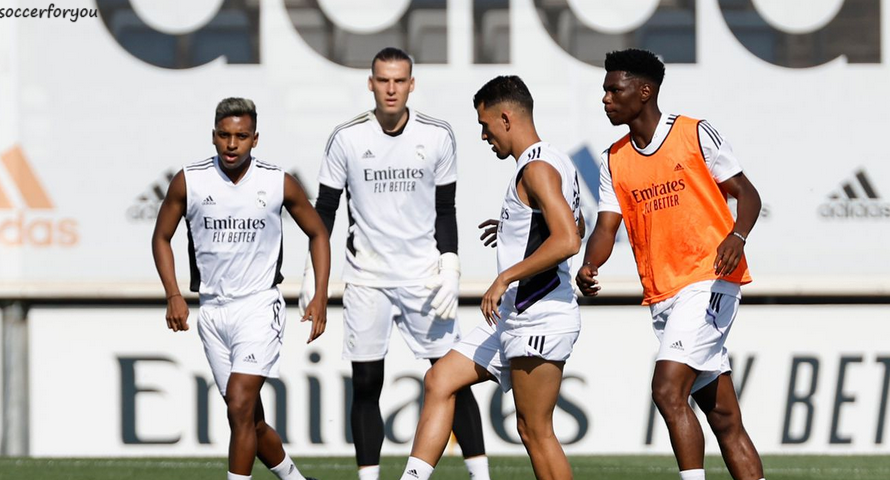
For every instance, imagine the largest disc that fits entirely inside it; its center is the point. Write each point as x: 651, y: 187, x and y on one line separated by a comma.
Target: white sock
x: 235, y: 476
x: 478, y: 467
x: 286, y: 470
x: 417, y: 469
x: 369, y: 473
x: 697, y: 474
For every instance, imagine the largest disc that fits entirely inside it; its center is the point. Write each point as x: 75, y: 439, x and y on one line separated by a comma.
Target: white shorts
x: 243, y: 335
x: 692, y: 327
x: 492, y: 350
x: 369, y: 314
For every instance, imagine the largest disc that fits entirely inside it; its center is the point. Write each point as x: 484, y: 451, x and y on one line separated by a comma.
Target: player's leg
x: 671, y: 385
x: 536, y: 384
x: 366, y: 419
x: 242, y: 395
x: 443, y: 383
x: 431, y: 337
x: 719, y: 403
x: 270, y: 450
x: 368, y: 318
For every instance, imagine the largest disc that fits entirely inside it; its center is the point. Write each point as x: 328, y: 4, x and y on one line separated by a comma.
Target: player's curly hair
x: 637, y: 63
x: 504, y: 88
x: 235, y: 107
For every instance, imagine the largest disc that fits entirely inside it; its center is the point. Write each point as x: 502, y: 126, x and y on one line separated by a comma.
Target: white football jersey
x: 544, y: 303
x: 234, y: 229
x: 390, y: 184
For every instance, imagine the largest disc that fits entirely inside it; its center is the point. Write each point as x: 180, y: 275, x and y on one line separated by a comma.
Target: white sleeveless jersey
x: 390, y: 184
x: 234, y: 229
x: 544, y: 303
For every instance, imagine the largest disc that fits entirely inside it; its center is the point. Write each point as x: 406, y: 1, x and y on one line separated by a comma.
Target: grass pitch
x: 451, y: 468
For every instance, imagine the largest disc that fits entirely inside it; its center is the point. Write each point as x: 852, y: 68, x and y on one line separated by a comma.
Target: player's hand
x: 177, y: 313
x: 307, y: 288
x: 586, y: 280
x: 729, y: 254
x: 446, y: 287
x: 316, y: 312
x: 489, y: 235
x: 492, y: 299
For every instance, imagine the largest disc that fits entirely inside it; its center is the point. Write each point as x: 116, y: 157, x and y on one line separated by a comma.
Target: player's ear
x: 505, y: 119
x: 411, y: 85
x: 646, y: 91
x: 370, y: 83
x: 256, y: 139
x: 212, y: 135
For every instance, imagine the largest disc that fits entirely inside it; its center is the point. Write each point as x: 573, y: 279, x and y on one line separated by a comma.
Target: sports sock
x: 369, y: 473
x: 235, y: 476
x: 286, y: 470
x: 696, y: 474
x: 417, y: 469
x: 478, y: 467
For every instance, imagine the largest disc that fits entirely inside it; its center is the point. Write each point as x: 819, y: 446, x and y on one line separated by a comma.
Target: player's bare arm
x: 297, y: 204
x: 732, y: 248
x: 540, y: 187
x: 169, y: 215
x: 599, y: 249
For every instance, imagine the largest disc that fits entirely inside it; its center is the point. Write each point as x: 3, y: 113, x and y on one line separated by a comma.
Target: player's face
x: 622, y: 100
x: 234, y: 137
x: 391, y: 82
x: 493, y: 130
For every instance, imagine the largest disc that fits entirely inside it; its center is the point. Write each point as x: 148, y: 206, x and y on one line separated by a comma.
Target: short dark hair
x: 636, y: 62
x: 504, y: 88
x: 389, y: 54
x: 235, y: 107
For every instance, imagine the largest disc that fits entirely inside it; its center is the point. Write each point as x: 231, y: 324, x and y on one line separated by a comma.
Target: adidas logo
x: 678, y: 168
x: 413, y: 473
x: 368, y: 154
x: 857, y: 198
x: 26, y: 211
x: 208, y: 201
x: 146, y: 205
x: 678, y: 345
x: 250, y: 359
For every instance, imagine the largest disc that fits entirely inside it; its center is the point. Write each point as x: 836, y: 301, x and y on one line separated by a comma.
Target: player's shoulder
x: 349, y: 127
x: 433, y: 123
x: 263, y: 165
x: 205, y: 164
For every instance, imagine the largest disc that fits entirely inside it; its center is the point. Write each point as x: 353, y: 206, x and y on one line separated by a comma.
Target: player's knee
x: 724, y: 422
x: 367, y: 380
x: 667, y: 397
x: 261, y: 428
x: 240, y: 411
x: 531, y: 431
x: 436, y: 385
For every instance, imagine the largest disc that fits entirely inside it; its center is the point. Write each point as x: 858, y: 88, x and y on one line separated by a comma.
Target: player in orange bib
x: 668, y: 180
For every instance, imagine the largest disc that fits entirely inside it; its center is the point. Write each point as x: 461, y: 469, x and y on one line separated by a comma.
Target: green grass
x: 451, y: 468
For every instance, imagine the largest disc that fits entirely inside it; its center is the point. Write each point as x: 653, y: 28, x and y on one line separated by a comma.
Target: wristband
x: 741, y: 237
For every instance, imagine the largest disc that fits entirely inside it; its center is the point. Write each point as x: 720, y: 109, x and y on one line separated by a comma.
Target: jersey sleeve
x: 608, y: 199
x: 446, y: 164
x: 719, y: 157
x: 333, y: 166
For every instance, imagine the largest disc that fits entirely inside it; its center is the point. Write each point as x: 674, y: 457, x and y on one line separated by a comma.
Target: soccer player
x: 232, y: 206
x: 668, y: 179
x: 531, y: 301
x: 402, y: 268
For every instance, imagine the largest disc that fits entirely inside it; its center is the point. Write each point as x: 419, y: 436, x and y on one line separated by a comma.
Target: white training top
x: 721, y: 161
x: 544, y: 303
x: 390, y: 184
x: 234, y: 229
